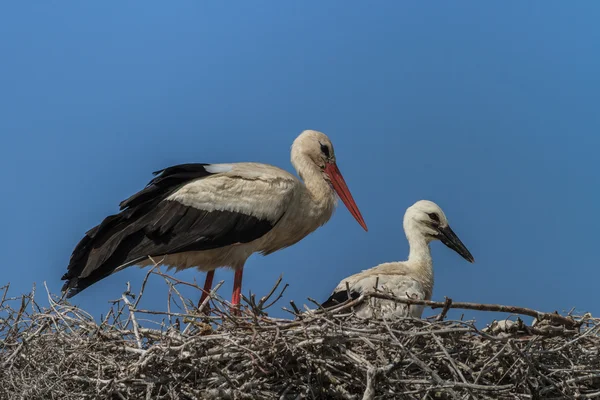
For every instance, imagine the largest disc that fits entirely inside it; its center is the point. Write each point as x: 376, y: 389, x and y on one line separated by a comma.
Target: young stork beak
x: 340, y: 187
x: 450, y: 239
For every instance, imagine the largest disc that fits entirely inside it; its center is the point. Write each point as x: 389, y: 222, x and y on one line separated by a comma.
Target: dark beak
x: 449, y: 238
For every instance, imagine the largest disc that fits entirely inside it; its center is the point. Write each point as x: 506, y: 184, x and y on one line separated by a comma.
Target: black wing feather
x: 148, y: 225
x: 340, y: 297
x: 167, y: 181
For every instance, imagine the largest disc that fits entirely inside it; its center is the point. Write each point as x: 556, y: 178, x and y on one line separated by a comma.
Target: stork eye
x: 434, y: 217
x: 325, y: 150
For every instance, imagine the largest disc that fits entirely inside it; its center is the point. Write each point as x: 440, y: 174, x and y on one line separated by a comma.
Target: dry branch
x: 60, y: 352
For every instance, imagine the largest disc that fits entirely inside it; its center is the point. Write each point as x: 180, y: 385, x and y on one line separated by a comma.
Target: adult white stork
x: 215, y: 215
x: 424, y: 222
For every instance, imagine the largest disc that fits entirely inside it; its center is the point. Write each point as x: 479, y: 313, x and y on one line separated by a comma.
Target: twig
x: 556, y: 318
x: 138, y: 339
x: 447, y: 305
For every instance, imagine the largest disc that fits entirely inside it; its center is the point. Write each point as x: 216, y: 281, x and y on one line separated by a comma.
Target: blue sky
x: 488, y: 109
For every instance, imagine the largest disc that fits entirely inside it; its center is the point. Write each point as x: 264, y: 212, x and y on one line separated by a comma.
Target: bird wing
x: 399, y: 284
x: 188, y: 207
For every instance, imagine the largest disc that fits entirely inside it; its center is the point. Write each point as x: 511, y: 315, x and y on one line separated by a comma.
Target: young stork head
x: 425, y: 218
x: 312, y: 151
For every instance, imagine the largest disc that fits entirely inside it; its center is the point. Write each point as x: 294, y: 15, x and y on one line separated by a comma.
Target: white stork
x: 424, y: 222
x: 215, y: 215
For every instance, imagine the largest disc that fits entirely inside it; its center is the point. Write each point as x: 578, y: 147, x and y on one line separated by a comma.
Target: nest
x: 61, y: 352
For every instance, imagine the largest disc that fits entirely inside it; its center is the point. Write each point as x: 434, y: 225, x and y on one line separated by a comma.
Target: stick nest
x: 60, y: 352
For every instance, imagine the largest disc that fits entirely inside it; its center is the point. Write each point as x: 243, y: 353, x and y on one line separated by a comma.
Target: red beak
x: 340, y: 187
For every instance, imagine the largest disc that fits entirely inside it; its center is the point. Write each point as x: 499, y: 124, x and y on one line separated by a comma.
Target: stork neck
x: 419, y: 259
x: 320, y: 191
x: 419, y: 248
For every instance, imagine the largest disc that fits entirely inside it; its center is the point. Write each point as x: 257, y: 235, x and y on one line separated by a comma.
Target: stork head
x: 313, y: 150
x: 425, y: 218
x: 316, y: 146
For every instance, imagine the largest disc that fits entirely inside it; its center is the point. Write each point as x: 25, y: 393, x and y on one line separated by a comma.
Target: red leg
x: 207, y: 286
x: 237, y: 288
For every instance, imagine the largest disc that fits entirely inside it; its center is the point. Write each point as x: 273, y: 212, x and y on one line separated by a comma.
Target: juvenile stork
x: 424, y: 222
x: 215, y: 215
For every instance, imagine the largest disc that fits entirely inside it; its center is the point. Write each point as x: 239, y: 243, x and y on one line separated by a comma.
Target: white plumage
x: 258, y: 190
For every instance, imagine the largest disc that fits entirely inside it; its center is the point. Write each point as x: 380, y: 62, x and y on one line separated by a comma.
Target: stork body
x: 424, y: 222
x: 207, y: 216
